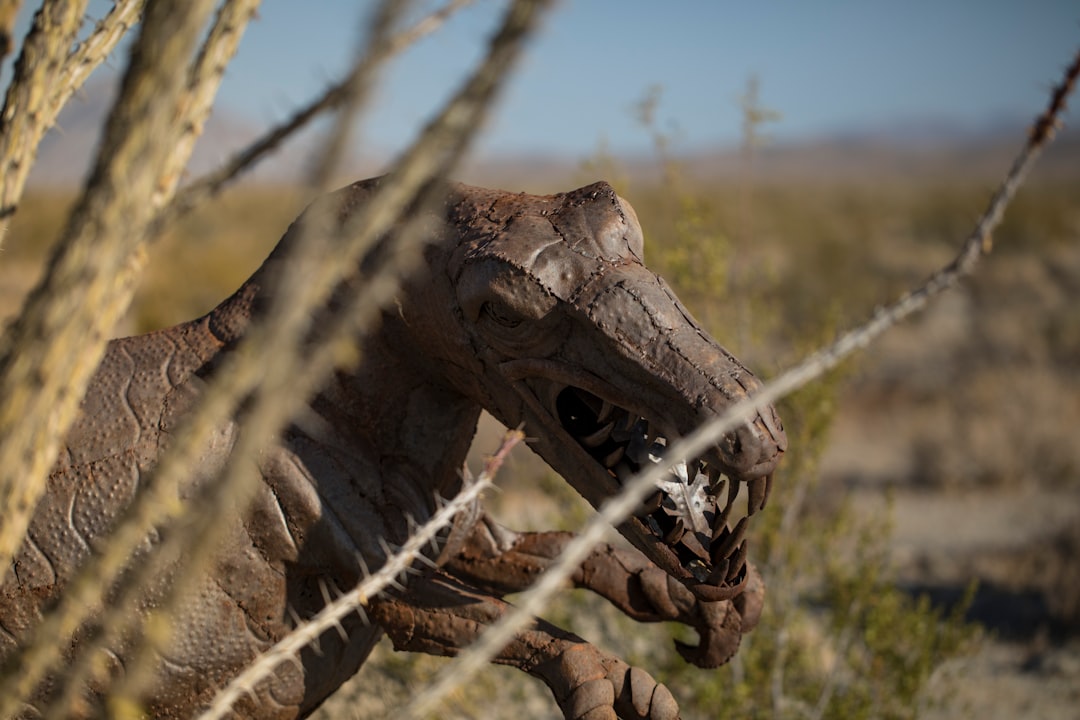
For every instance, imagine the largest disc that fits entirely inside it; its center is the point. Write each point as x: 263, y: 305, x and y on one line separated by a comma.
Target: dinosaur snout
x: 754, y: 449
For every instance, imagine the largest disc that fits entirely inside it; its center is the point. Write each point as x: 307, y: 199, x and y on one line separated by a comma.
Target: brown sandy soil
x: 1010, y: 541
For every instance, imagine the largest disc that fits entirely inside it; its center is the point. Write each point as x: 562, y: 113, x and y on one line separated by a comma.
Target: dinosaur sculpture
x: 538, y: 309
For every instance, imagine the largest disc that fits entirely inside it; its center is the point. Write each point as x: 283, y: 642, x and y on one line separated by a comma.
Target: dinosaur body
x: 538, y: 309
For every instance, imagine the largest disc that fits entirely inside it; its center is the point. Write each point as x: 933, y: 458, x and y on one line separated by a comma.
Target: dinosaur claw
x: 687, y: 652
x: 592, y: 700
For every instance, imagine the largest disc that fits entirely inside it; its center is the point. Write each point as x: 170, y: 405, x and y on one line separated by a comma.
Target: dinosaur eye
x: 500, y: 315
x: 507, y: 310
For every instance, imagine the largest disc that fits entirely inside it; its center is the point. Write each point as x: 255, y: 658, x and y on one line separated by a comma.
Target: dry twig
x: 29, y: 113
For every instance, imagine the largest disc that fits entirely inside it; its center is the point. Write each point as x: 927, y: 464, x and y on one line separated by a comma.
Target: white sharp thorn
x: 425, y: 560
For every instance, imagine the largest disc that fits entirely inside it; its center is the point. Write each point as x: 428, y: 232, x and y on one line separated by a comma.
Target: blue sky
x: 827, y: 66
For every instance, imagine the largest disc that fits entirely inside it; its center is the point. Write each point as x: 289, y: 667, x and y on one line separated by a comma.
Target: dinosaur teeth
x: 715, y: 478
x: 734, y: 539
x: 624, y: 426
x: 675, y: 534
x: 733, y: 491
x: 651, y: 433
x: 719, y: 571
x: 606, y: 409
x: 652, y: 504
x: 686, y: 511
x: 738, y: 562
x: 614, y: 456
x: 595, y: 439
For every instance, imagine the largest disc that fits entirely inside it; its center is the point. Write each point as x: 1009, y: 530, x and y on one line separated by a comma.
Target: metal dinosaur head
x: 555, y: 323
x: 576, y: 339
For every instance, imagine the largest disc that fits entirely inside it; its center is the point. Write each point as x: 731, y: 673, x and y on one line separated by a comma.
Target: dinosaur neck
x: 387, y: 409
x: 419, y: 428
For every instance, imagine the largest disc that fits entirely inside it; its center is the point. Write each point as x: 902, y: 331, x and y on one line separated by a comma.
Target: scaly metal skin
x: 538, y: 309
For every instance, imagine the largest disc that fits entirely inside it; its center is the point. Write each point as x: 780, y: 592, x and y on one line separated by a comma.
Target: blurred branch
x: 9, y: 12
x: 298, y: 292
x: 210, y: 184
x: 50, y: 352
x: 359, y: 597
x: 619, y: 507
x: 37, y: 112
x: 28, y: 109
x: 155, y: 503
x: 286, y: 382
x: 204, y: 79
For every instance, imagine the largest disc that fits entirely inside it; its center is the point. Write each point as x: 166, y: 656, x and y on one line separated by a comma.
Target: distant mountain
x: 67, y: 151
x: 901, y: 150
x: 864, y: 157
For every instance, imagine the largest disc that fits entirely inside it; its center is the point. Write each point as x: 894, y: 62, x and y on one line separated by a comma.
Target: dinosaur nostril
x: 775, y: 426
x: 741, y: 449
x: 755, y: 449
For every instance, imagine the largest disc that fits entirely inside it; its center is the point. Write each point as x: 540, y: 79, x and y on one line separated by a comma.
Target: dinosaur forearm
x: 440, y: 615
x: 500, y: 561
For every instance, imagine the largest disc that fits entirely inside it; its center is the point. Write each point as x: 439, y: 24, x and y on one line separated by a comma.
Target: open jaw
x: 696, y: 518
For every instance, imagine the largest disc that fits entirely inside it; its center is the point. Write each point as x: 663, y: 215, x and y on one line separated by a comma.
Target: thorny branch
x: 28, y: 112
x: 210, y: 184
x: 619, y: 507
x: 28, y: 115
x: 204, y: 78
x: 330, y: 616
x: 286, y: 384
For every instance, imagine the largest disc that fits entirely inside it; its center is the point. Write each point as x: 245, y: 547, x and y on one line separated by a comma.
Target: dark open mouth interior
x: 685, y: 512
